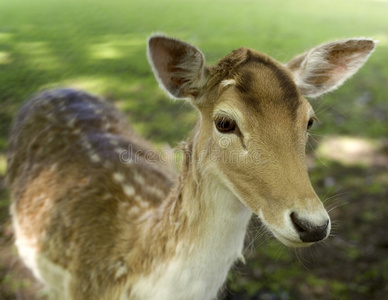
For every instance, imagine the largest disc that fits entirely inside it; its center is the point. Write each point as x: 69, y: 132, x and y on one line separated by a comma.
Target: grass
x: 100, y: 46
x: 2, y: 165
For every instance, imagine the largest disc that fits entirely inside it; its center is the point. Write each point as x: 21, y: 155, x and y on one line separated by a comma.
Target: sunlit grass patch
x: 99, y: 85
x: 40, y: 55
x: 5, y: 37
x: 351, y: 150
x: 3, y: 165
x: 105, y: 51
x: 5, y: 58
x: 119, y: 47
x: 92, y: 84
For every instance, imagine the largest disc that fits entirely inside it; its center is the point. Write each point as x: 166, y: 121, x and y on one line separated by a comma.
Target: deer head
x: 253, y: 124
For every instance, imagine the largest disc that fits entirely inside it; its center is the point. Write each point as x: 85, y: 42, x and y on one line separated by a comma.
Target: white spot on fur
x: 118, y: 177
x: 134, y: 210
x: 95, y: 158
x: 139, y: 179
x: 123, y: 205
x: 126, y: 208
x: 128, y: 190
x: 156, y: 191
x: 141, y: 202
x: 226, y: 82
x: 121, y: 270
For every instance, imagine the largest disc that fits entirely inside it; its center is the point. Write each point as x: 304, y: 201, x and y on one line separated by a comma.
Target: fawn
x: 91, y: 225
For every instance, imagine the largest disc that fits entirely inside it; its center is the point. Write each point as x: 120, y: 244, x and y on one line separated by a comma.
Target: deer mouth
x: 297, y: 232
x: 294, y: 242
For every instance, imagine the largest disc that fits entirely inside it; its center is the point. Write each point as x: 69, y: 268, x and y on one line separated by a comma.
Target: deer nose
x: 308, y: 232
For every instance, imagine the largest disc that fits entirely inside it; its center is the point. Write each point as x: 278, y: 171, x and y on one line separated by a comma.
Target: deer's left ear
x: 179, y: 67
x: 326, y: 67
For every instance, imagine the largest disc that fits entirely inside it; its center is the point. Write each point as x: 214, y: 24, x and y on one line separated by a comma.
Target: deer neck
x: 213, y: 218
x: 204, y: 225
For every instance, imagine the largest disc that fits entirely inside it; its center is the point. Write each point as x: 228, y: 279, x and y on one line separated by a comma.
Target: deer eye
x: 225, y: 125
x: 310, y: 123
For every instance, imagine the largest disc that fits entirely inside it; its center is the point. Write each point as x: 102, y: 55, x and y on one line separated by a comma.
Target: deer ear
x: 326, y: 67
x: 178, y: 66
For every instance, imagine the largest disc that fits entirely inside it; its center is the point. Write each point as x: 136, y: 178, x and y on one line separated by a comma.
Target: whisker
x: 316, y: 155
x: 336, y: 206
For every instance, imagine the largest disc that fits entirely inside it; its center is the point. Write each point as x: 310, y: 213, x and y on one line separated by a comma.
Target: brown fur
x: 95, y: 201
x: 75, y: 189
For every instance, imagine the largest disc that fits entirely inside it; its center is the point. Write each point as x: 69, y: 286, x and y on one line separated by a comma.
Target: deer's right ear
x: 178, y: 66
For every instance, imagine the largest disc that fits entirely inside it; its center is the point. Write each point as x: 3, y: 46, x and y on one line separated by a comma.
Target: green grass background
x: 100, y: 46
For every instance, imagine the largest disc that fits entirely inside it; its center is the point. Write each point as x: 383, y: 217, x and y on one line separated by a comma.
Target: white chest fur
x: 199, y: 270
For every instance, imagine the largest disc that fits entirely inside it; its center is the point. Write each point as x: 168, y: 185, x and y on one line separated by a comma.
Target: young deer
x: 96, y: 218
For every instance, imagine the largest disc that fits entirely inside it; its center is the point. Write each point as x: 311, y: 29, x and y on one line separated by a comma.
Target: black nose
x: 309, y: 233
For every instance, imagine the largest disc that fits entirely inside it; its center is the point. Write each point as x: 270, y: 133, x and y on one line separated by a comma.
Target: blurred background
x: 100, y: 46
